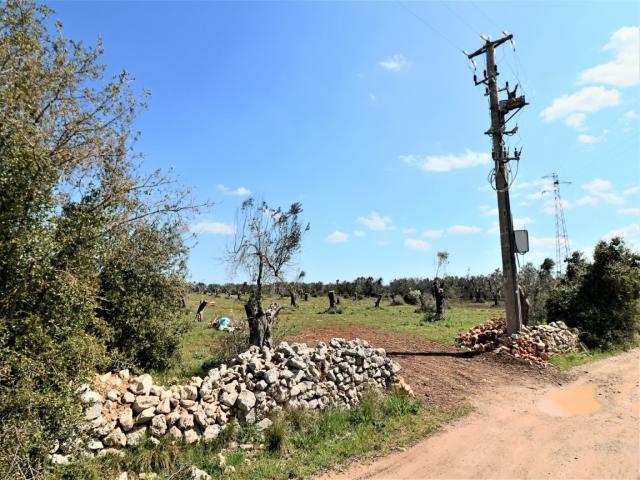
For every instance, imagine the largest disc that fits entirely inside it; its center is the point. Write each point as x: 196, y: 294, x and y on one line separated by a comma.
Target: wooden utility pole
x: 499, y: 109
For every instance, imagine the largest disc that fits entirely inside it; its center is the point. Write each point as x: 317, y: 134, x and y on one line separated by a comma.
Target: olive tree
x: 265, y: 244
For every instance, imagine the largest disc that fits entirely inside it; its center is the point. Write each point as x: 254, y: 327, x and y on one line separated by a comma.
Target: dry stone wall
x: 123, y: 410
x: 534, y: 344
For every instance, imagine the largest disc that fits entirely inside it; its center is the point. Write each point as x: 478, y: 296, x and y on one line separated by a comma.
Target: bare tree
x: 265, y: 244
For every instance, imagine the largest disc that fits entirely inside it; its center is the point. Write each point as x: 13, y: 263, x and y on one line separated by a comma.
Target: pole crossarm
x: 494, y: 44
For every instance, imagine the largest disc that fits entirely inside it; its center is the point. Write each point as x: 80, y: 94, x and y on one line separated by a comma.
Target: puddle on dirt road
x: 576, y: 400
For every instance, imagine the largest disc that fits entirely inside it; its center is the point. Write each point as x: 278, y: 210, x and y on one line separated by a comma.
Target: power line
x: 469, y: 26
x: 486, y: 16
x: 428, y: 24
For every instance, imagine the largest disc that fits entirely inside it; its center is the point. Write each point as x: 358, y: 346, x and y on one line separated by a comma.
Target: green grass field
x: 197, y: 343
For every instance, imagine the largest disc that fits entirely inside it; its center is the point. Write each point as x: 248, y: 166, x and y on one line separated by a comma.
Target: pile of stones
x: 123, y: 410
x: 534, y: 344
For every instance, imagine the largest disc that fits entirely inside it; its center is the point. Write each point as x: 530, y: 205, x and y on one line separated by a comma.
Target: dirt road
x: 586, y: 429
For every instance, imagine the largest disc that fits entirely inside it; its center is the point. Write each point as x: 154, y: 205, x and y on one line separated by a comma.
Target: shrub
x: 412, y: 297
x: 91, y: 251
x: 601, y: 298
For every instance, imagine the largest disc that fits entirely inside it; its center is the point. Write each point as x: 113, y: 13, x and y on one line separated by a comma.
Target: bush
x: 600, y: 298
x: 412, y: 297
x: 91, y: 251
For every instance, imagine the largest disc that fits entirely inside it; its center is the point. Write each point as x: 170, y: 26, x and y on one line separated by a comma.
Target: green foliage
x: 537, y: 283
x: 601, y: 298
x: 412, y: 297
x: 91, y: 253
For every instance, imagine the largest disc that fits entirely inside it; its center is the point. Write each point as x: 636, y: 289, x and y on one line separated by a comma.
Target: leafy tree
x: 265, y: 245
x: 601, y: 298
x: 494, y: 283
x: 91, y: 252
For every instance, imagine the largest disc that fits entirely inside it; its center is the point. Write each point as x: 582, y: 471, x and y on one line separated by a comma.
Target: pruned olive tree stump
x: 332, y: 299
x: 260, y: 322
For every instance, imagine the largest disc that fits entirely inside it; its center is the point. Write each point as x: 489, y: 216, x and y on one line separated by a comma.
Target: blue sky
x: 367, y: 114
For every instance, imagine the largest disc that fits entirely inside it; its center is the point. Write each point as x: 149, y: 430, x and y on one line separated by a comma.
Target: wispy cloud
x: 518, y: 223
x: 630, y: 233
x: 374, y: 221
x: 432, y: 233
x: 463, y: 229
x: 446, y: 163
x: 629, y: 211
x: 587, y: 100
x: 408, y: 230
x: 415, y: 244
x: 213, y: 228
x: 337, y: 237
x: 240, y: 191
x: 622, y: 70
x: 488, y: 211
x: 358, y: 233
x: 589, y: 139
x: 601, y: 190
x: 394, y: 63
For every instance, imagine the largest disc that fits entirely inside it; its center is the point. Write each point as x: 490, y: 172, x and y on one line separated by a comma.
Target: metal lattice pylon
x: 562, y: 239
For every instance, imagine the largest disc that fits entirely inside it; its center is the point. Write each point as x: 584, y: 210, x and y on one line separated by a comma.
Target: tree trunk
x: 438, y: 293
x: 524, y: 305
x: 260, y: 322
x: 306, y: 297
x: 292, y: 296
x: 332, y: 299
x: 377, y: 305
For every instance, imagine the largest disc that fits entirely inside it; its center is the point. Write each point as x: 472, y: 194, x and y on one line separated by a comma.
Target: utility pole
x: 499, y: 110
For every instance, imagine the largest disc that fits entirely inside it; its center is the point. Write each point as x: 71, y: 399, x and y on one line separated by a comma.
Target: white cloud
x: 431, y: 234
x: 630, y: 233
x: 213, y: 227
x: 337, y: 237
x: 632, y: 190
x: 630, y: 115
x: 374, y: 221
x: 587, y: 200
x: 629, y: 211
x: 445, y: 163
x: 576, y: 120
x: 600, y: 189
x: 240, y: 191
x: 395, y: 63
x: 519, y: 223
x: 408, y: 230
x: 463, y: 229
x: 587, y: 100
x: 597, y: 185
x: 358, y: 233
x: 622, y: 70
x: 414, y: 244
x: 372, y: 97
x: 488, y: 211
x: 589, y: 139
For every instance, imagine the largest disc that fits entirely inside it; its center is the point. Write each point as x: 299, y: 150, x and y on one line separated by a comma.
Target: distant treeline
x: 477, y: 288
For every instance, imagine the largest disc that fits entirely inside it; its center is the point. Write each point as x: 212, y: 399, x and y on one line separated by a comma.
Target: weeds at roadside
x: 298, y: 444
